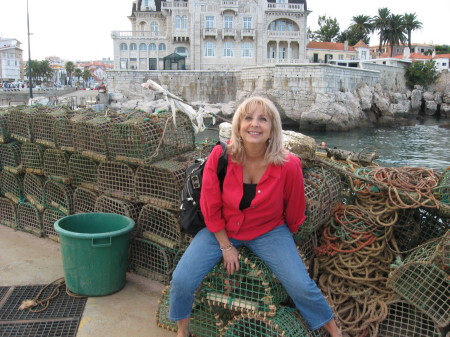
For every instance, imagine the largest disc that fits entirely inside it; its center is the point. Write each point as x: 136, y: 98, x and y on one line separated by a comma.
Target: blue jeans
x: 276, y: 248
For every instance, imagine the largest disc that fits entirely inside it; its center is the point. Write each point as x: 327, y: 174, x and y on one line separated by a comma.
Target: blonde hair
x: 275, y: 152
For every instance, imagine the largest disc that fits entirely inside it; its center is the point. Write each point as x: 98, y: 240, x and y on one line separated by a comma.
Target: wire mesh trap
x: 29, y: 219
x: 49, y: 217
x: 33, y: 158
x: 152, y: 260
x: 33, y: 190
x: 422, y: 283
x: 44, y: 126
x: 59, y: 196
x: 83, y: 172
x: 20, y: 123
x: 56, y: 165
x: 4, y: 129
x: 160, y: 183
x: 84, y: 200
x: 117, y: 180
x: 8, y: 215
x: 10, y: 155
x: 253, y: 288
x: 105, y: 204
x: 160, y: 226
x: 287, y: 322
x: 11, y: 186
x: 404, y: 319
x: 65, y: 130
x: 146, y: 139
x: 442, y: 192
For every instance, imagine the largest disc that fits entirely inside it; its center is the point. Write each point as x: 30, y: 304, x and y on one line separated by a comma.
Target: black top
x: 249, y: 194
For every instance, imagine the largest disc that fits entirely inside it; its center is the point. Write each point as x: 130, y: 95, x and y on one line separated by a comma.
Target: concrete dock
x: 27, y: 260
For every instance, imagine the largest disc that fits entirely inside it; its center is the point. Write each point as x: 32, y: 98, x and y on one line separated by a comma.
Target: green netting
x: 59, y: 196
x: 56, y: 165
x: 29, y: 219
x: 8, y: 215
x: 33, y: 190
x: 442, y: 255
x: 44, y: 125
x: 252, y: 288
x: 404, y: 319
x: 117, y: 180
x: 442, y: 192
x: 4, y: 129
x: 152, y: 260
x: 105, y: 204
x: 287, y: 322
x: 11, y: 186
x: 33, y: 158
x: 10, y: 155
x: 49, y: 217
x: 65, y: 130
x: 432, y: 224
x: 84, y: 200
x: 20, y: 123
x: 83, y: 172
x: 306, y: 245
x: 160, y: 226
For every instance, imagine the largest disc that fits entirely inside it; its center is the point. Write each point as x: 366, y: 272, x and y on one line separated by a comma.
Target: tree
x: 86, y: 74
x: 70, y: 67
x: 380, y: 22
x: 395, y: 31
x: 444, y: 49
x: 78, y: 73
x: 328, y: 31
x: 349, y: 35
x: 361, y: 27
x: 40, y: 70
x: 421, y: 73
x: 411, y: 23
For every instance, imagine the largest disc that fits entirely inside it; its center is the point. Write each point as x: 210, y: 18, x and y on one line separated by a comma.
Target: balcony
x: 228, y: 32
x: 130, y: 35
x: 180, y: 35
x: 283, y: 61
x: 283, y: 7
x: 283, y: 34
x: 210, y: 32
x: 230, y: 5
x: 248, y: 32
x: 169, y: 5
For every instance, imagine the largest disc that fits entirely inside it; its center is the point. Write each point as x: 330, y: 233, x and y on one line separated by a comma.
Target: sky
x: 81, y: 30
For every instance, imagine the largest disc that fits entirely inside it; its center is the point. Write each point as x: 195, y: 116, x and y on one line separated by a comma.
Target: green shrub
x: 421, y: 73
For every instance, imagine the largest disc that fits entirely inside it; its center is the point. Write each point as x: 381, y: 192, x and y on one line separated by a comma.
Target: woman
x: 261, y: 204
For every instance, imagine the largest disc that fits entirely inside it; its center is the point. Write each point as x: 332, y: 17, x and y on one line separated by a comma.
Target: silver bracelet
x: 227, y: 248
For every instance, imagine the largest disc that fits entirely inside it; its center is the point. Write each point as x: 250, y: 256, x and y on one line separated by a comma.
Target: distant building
x: 442, y: 61
x: 214, y: 34
x: 340, y: 53
x: 400, y: 50
x: 11, y: 60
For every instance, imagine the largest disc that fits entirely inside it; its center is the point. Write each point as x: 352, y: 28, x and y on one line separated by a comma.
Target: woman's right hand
x: 231, y: 260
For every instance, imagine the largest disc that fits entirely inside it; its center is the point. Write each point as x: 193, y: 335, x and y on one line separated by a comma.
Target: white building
x: 211, y: 34
x: 10, y: 60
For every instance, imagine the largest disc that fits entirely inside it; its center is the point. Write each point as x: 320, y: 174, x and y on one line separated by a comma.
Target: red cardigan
x: 279, y: 199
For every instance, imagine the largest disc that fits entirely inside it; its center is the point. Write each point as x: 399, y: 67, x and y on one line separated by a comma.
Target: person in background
x: 261, y: 204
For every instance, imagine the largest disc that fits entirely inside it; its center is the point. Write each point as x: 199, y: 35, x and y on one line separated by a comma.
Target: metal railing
x: 286, y: 6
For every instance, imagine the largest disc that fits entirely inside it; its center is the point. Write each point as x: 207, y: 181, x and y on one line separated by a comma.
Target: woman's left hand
x: 231, y: 260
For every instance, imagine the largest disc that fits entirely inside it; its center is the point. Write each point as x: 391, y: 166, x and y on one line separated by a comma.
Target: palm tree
x: 362, y: 27
x: 86, y: 74
x: 395, y: 31
x: 78, y: 73
x: 379, y: 22
x: 70, y: 67
x: 411, y: 23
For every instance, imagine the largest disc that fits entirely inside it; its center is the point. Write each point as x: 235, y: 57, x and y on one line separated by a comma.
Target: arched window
x: 142, y: 47
x: 123, y: 46
x: 247, y: 49
x: 228, y: 49
x: 181, y: 51
x: 133, y: 46
x: 177, y: 22
x: 184, y: 22
x: 154, y: 26
x: 162, y: 46
x: 152, y: 46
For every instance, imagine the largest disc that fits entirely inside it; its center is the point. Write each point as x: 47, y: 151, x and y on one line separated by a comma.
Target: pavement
x: 27, y: 260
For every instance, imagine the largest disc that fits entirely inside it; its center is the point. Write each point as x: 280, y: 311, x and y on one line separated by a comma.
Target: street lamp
x: 29, y: 56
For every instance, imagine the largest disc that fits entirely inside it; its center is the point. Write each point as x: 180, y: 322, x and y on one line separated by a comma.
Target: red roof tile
x: 328, y: 46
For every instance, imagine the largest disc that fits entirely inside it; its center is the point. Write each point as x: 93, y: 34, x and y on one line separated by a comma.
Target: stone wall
x: 391, y: 78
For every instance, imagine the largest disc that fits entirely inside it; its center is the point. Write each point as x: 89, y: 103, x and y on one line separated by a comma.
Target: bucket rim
x: 128, y: 228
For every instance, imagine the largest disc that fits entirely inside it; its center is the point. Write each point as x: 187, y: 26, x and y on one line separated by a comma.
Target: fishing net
x: 420, y: 281
x: 65, y: 130
x: 442, y: 255
x: 33, y: 158
x: 4, y: 129
x: 91, y: 136
x: 49, y: 217
x: 152, y: 260
x: 20, y: 123
x: 404, y: 319
x: 105, y: 204
x: 56, y: 165
x: 29, y: 219
x: 84, y: 200
x: 442, y: 192
x: 117, y: 180
x: 306, y: 244
x: 8, y: 215
x: 287, y: 322
x: 252, y: 288
x: 160, y: 226
x: 10, y: 155
x: 160, y: 183
x: 44, y: 126
x: 59, y: 196
x: 12, y: 186
x: 83, y: 172
x: 33, y: 190
x: 145, y: 139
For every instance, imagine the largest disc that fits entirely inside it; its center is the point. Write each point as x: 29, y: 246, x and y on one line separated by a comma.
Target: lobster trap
x: 146, y: 139
x: 442, y: 192
x: 56, y: 165
x: 10, y: 155
x: 160, y: 226
x: 33, y: 158
x: 59, y: 196
x: 49, y: 217
x: 11, y: 186
x: 33, y: 190
x: 4, y: 129
x: 160, y: 183
x: 420, y: 281
x: 117, y: 180
x: 8, y: 213
x: 253, y: 288
x: 84, y: 200
x: 287, y: 322
x: 83, y: 172
x: 404, y: 319
x: 20, y: 123
x: 105, y: 204
x: 44, y: 126
x: 65, y: 130
x: 29, y: 219
x: 152, y: 260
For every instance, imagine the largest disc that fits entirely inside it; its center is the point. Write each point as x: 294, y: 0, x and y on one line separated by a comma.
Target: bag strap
x: 222, y: 164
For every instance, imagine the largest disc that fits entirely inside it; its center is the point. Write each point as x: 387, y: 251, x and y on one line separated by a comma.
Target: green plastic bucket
x: 94, y: 249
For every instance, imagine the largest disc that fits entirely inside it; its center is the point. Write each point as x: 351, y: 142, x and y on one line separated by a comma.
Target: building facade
x: 212, y: 34
x: 339, y: 53
x: 11, y: 60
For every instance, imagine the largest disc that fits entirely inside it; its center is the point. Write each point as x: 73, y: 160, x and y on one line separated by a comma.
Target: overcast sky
x: 81, y: 30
